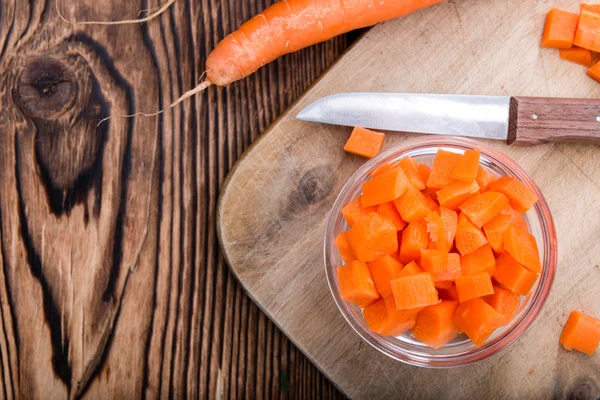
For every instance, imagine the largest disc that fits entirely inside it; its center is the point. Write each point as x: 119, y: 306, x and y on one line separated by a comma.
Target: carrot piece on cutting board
x: 354, y: 210
x: 484, y: 207
x: 468, y: 236
x: 450, y: 222
x: 435, y: 324
x: 381, y: 321
x: 484, y: 178
x: 522, y: 246
x: 384, y: 188
x: 477, y: 319
x: 481, y: 260
x: 341, y: 242
x: 410, y: 269
x: 442, y: 168
x: 434, y: 261
x: 356, y: 284
x: 577, y: 55
x: 364, y: 142
x: 505, y: 302
x: 594, y: 72
x: 383, y: 270
x: 513, y: 276
x: 467, y: 166
x: 456, y: 193
x: 411, y: 169
x: 473, y: 286
x: 587, y: 34
x: 521, y: 197
x: 389, y: 211
x: 559, y: 30
x: 452, y: 272
x: 414, y: 238
x: 414, y: 291
x: 412, y: 205
x: 372, y: 236
x: 581, y: 332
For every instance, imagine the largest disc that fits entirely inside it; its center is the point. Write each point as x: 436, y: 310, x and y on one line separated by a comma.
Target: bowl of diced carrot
x: 440, y: 252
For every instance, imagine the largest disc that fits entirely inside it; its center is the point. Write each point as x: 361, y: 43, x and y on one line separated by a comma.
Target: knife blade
x: 520, y: 120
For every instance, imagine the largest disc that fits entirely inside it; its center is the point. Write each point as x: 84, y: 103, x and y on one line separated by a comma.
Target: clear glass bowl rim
x: 518, y: 328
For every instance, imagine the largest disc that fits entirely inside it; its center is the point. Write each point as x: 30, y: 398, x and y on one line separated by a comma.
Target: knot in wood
x: 582, y: 389
x: 47, y: 88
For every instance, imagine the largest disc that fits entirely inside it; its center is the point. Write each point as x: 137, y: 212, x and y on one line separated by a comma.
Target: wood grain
x: 112, y: 284
x: 275, y: 204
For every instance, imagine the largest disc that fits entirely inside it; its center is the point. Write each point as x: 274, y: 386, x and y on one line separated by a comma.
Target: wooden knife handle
x: 537, y: 120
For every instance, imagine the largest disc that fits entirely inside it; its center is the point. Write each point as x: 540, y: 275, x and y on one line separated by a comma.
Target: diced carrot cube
x: 513, y: 276
x: 353, y: 211
x: 484, y: 178
x: 341, y: 242
x: 414, y: 238
x: 412, y: 205
x: 473, y: 286
x: 364, y: 142
x: 434, y: 261
x: 522, y: 246
x: 467, y: 166
x: 452, y: 272
x: 448, y: 294
x: 356, y: 284
x: 400, y: 315
x: 409, y: 269
x: 372, y: 236
x: 477, y: 319
x: 384, y: 188
x: 430, y: 200
x: 456, y: 193
x: 424, y: 172
x: 450, y: 222
x: 383, y: 270
x: 581, y: 332
x: 379, y: 320
x: 435, y: 229
x: 484, y: 207
x: 481, y: 260
x: 559, y: 30
x: 494, y: 231
x: 587, y: 34
x: 435, y: 324
x: 411, y: 169
x: 505, y: 302
x: 390, y: 212
x: 443, y: 285
x: 577, y: 55
x: 441, y: 171
x: 382, y: 169
x: 468, y: 236
x: 414, y: 291
x: 594, y: 72
x: 521, y: 197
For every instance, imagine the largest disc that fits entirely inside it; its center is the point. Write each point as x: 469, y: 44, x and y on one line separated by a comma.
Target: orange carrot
x: 505, y: 302
x: 484, y: 178
x: 516, y: 219
x: 520, y: 196
x: 353, y: 211
x: 559, y: 30
x: 389, y: 211
x: 450, y: 222
x: 594, y: 72
x: 577, y: 55
x: 494, y: 231
x: 523, y: 247
x: 384, y: 188
x: 441, y: 171
x: 372, y: 236
x: 430, y: 201
x: 481, y: 260
x: 409, y: 269
x: 364, y: 142
x: 412, y: 205
x: 467, y: 167
x: 414, y: 238
x: 513, y: 276
x: 356, y: 284
x: 473, y: 286
x: 477, y: 319
x: 435, y: 326
x: 424, y: 172
x: 434, y: 261
x: 468, y: 236
x: 587, y: 34
x: 448, y: 294
x: 411, y: 169
x: 581, y: 332
x: 414, y: 291
x: 484, y: 207
x: 435, y: 228
x: 456, y: 193
x: 382, y: 169
x: 379, y: 320
x: 443, y: 285
x: 341, y: 242
x: 383, y: 270
x: 452, y: 272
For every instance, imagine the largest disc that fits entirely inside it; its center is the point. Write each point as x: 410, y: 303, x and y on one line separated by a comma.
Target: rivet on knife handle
x: 536, y: 120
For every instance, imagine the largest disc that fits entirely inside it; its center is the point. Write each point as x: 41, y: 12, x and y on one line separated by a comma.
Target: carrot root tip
x: 147, y: 18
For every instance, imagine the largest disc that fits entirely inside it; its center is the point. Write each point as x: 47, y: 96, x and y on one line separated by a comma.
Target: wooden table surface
x: 112, y: 282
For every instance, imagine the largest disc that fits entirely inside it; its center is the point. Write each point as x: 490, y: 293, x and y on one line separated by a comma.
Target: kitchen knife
x: 518, y: 120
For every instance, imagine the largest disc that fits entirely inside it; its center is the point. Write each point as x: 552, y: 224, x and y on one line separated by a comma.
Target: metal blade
x: 456, y: 115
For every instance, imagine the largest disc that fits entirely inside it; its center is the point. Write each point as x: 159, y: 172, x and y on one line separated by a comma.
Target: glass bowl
x: 461, y: 351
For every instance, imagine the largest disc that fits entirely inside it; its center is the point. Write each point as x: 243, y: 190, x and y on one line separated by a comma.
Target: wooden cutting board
x: 274, y: 206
